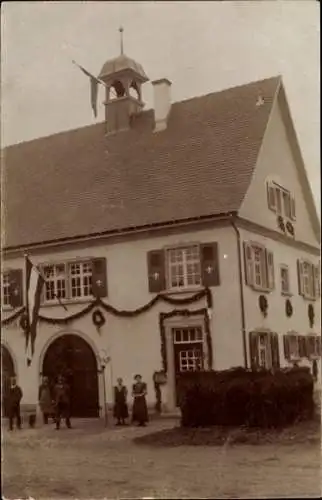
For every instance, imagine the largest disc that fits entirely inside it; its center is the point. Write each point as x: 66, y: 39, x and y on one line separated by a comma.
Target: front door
x: 188, y: 352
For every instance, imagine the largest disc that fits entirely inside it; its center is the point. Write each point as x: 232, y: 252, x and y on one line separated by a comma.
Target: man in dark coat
x: 14, y: 398
x: 62, y: 402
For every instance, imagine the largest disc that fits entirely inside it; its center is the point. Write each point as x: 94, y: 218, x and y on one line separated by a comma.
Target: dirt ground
x: 91, y: 462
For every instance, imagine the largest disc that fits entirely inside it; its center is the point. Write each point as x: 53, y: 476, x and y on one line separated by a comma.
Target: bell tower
x: 123, y: 78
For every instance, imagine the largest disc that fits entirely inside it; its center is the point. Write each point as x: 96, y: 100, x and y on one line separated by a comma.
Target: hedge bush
x: 240, y: 397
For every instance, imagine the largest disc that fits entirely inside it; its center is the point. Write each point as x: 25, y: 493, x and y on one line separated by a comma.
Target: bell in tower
x: 123, y: 78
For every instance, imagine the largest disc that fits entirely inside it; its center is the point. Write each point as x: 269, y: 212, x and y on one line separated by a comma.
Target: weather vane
x: 121, y: 35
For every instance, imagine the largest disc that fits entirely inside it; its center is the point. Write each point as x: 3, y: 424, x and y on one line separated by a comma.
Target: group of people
x: 55, y: 403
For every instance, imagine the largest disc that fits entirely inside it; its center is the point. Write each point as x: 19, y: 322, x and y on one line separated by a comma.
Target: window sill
x: 287, y: 294
x: 260, y: 290
x: 310, y: 299
x: 182, y: 291
x: 67, y: 302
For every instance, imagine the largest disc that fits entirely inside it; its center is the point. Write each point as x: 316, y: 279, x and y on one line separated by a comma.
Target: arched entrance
x: 71, y: 356
x: 7, y: 372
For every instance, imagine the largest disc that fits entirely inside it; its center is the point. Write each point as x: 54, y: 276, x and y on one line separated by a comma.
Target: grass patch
x: 304, y: 432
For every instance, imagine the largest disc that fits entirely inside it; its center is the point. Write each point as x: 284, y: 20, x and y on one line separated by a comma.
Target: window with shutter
x: 12, y: 288
x: 248, y: 262
x: 313, y: 346
x: 156, y: 271
x: 99, y: 277
x: 316, y: 279
x: 308, y: 279
x: 302, y: 346
x: 210, y: 264
x: 270, y: 270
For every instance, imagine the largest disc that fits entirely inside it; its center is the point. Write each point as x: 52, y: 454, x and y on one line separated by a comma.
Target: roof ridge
x: 146, y: 111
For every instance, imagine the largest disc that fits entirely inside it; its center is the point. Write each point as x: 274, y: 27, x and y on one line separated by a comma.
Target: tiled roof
x: 81, y: 182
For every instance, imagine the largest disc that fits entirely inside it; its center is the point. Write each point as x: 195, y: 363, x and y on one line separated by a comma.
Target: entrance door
x: 73, y: 358
x: 188, y: 352
x: 7, y: 372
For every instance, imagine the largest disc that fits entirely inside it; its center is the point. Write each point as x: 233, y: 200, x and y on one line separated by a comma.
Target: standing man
x: 45, y: 400
x: 14, y: 398
x: 62, y: 402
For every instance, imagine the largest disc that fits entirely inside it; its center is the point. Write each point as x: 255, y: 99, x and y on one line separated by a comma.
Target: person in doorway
x: 62, y: 402
x: 120, y: 404
x: 45, y: 400
x: 140, y: 409
x: 14, y: 399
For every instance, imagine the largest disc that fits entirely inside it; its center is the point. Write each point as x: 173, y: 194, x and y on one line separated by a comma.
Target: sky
x: 201, y: 47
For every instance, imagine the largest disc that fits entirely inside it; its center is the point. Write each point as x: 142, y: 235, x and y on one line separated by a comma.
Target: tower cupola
x: 123, y: 78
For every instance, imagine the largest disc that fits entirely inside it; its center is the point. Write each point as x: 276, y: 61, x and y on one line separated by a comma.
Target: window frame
x: 267, y: 267
x: 186, y: 286
x: 310, y: 286
x: 276, y: 202
x: 83, y: 277
x: 315, y: 354
x: 7, y: 306
x: 294, y: 336
x: 284, y: 292
x: 68, y: 294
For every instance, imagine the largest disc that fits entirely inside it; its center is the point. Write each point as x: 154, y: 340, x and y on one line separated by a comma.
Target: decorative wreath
x: 98, y: 318
x: 281, y: 224
x: 311, y: 314
x: 290, y: 228
x: 263, y: 304
x: 288, y: 308
x: 23, y: 322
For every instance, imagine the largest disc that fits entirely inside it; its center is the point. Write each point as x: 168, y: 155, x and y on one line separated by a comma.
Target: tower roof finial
x: 121, y: 36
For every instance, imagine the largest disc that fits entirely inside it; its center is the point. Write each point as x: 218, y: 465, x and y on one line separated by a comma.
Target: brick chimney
x: 162, y: 103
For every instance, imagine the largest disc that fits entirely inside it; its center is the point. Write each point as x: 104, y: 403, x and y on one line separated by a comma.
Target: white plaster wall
x: 276, y: 319
x: 134, y: 343
x: 277, y: 162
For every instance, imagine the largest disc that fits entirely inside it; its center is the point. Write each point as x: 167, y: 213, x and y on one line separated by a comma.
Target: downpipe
x: 241, y: 292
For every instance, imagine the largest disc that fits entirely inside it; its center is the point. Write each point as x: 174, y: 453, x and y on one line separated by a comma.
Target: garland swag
x: 98, y: 302
x: 185, y: 312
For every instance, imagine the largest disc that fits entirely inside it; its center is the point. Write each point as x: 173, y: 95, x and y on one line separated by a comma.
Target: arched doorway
x: 7, y: 372
x: 71, y: 356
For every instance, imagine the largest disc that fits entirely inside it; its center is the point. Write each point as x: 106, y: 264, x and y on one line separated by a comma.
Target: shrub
x: 240, y: 397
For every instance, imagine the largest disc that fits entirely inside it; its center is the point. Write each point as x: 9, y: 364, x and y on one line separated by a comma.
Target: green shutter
x: 156, y: 271
x: 99, y: 277
x: 210, y: 264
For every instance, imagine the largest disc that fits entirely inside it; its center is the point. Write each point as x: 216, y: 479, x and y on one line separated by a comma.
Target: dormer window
x: 280, y: 201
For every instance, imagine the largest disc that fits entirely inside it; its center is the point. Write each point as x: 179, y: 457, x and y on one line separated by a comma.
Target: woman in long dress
x: 120, y: 404
x: 140, y: 409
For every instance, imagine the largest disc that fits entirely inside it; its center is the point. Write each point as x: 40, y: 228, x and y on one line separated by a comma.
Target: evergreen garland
x: 98, y: 302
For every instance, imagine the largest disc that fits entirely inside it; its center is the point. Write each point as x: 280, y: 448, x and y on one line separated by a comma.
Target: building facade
x: 181, y: 238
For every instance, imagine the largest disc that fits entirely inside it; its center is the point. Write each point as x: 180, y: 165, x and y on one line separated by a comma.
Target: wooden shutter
x: 302, y: 346
x: 16, y: 287
x: 156, y: 271
x: 270, y: 269
x: 316, y: 281
x: 99, y: 277
x: 293, y: 213
x: 248, y: 264
x: 286, y: 341
x: 300, y: 277
x: 253, y: 350
x: 318, y: 346
x: 275, y: 350
x: 210, y: 264
x: 271, y: 198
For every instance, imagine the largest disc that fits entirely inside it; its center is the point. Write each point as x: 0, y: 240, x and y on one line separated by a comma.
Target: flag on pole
x: 34, y: 285
x: 94, y: 86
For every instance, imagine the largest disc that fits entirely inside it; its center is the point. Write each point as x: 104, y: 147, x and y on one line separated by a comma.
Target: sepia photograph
x: 160, y: 250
